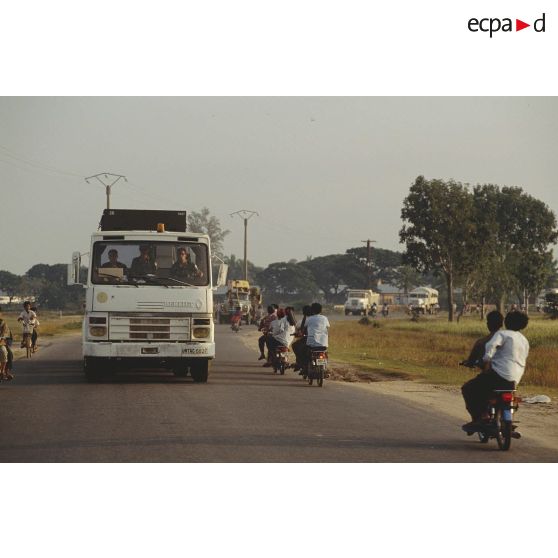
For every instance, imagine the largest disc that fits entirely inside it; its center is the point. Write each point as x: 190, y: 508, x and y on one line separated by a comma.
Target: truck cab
x: 424, y: 300
x: 360, y: 301
x: 148, y: 300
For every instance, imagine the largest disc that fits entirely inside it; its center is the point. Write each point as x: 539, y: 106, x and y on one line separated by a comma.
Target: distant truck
x: 240, y: 295
x: 360, y: 301
x: 424, y: 300
x: 551, y: 303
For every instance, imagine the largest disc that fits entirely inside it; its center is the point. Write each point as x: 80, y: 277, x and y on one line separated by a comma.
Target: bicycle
x: 26, y: 341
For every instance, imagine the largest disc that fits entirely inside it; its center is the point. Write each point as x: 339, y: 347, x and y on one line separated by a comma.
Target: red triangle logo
x: 519, y: 25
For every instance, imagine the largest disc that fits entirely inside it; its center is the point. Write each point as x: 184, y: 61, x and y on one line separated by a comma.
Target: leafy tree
x: 287, y: 281
x: 384, y: 266
x: 438, y: 228
x: 10, y: 283
x: 329, y: 273
x: 513, y: 235
x: 203, y: 222
x: 236, y: 268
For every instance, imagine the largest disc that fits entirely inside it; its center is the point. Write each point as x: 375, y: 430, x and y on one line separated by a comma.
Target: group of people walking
x: 280, y: 328
x: 29, y: 321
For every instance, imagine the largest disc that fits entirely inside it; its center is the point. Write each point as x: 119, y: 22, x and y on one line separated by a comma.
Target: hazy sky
x: 323, y: 173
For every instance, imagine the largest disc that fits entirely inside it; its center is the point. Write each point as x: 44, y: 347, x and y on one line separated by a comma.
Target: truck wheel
x: 200, y: 371
x: 180, y: 371
x: 93, y: 373
x: 347, y: 312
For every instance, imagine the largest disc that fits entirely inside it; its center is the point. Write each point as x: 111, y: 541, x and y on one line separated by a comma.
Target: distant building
x: 389, y: 294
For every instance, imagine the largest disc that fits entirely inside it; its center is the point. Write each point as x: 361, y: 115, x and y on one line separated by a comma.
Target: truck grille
x: 132, y: 328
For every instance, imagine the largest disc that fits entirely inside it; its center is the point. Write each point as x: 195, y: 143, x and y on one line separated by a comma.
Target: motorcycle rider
x: 299, y: 344
x: 265, y: 325
x: 282, y: 329
x: 494, y: 322
x: 317, y: 326
x: 504, y: 362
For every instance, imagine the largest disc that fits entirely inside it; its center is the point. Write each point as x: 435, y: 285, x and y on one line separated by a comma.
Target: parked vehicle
x: 359, y: 302
x: 551, y: 303
x: 423, y: 300
x: 139, y: 312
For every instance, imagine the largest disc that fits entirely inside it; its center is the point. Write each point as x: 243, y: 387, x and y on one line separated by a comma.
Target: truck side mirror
x: 73, y: 269
x: 222, y: 275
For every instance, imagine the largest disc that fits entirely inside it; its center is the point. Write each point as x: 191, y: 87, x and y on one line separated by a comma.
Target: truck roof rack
x: 142, y: 220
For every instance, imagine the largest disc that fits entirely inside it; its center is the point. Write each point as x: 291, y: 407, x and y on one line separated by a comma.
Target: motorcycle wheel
x: 310, y: 380
x: 483, y: 438
x: 321, y: 376
x: 282, y: 368
x: 504, y: 433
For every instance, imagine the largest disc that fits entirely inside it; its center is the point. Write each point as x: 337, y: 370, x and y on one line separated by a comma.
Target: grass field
x: 431, y: 349
x: 51, y: 323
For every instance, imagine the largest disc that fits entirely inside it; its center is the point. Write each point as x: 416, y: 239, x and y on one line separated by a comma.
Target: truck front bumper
x: 108, y: 349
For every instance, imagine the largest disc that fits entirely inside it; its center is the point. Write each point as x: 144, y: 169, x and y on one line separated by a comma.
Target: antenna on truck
x: 108, y: 180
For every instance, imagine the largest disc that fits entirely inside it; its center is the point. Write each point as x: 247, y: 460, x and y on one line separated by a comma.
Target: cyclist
x: 28, y: 319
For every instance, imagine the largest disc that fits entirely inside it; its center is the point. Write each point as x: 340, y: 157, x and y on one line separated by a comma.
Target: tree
x: 287, y: 281
x: 513, y: 235
x: 438, y: 228
x: 329, y: 273
x: 236, y: 268
x: 203, y: 222
x: 383, y: 266
x: 10, y: 283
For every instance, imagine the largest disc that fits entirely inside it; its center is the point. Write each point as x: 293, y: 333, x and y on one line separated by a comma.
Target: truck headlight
x: 97, y: 331
x: 200, y: 332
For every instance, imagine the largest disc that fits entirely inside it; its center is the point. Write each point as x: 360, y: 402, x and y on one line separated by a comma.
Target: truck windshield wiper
x: 152, y: 279
x: 181, y: 282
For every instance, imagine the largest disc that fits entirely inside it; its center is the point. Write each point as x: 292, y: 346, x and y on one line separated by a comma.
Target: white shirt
x: 29, y: 320
x: 282, y: 331
x: 507, y: 350
x: 317, y: 327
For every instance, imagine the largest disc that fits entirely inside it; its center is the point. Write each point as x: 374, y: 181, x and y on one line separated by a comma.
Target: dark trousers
x: 478, y: 391
x: 261, y: 344
x: 299, y: 349
x: 9, y: 365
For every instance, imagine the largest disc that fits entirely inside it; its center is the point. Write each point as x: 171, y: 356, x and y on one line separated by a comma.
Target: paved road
x: 244, y: 414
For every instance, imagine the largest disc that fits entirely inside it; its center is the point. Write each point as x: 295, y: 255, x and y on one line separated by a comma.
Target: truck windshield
x: 126, y: 262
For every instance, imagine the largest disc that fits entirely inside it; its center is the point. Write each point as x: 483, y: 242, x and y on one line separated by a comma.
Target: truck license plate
x: 195, y: 351
x: 149, y: 350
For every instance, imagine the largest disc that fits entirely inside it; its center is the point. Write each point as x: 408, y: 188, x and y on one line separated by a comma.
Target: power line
x: 37, y: 164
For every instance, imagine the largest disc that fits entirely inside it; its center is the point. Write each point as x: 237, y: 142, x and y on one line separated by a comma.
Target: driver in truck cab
x: 183, y: 268
x: 142, y: 264
x: 113, y: 260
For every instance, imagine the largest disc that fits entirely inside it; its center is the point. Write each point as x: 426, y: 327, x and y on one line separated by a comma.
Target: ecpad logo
x: 493, y: 25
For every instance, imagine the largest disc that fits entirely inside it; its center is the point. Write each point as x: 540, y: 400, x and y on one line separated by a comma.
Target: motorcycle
x: 280, y: 359
x: 500, y: 410
x: 316, y: 366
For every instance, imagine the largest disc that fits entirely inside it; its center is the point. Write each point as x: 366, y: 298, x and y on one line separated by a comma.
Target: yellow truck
x: 240, y: 295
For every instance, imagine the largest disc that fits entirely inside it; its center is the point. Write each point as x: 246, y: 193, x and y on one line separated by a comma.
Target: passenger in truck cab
x: 142, y: 264
x: 183, y: 268
x: 113, y: 260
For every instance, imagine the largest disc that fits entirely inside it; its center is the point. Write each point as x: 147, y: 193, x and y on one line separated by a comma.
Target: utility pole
x: 245, y: 215
x: 108, y: 180
x: 369, y: 261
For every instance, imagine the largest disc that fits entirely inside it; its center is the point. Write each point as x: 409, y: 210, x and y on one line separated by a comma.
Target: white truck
x: 147, y: 305
x: 360, y: 301
x: 424, y: 300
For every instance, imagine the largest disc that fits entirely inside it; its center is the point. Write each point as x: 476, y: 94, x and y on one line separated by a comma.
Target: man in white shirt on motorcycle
x: 504, y: 360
